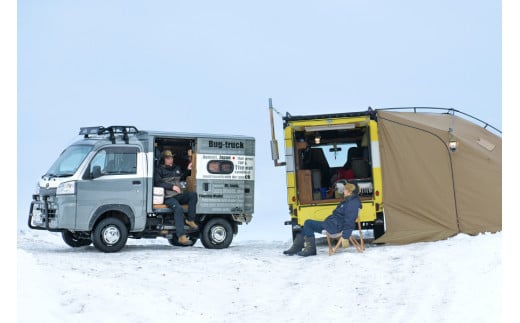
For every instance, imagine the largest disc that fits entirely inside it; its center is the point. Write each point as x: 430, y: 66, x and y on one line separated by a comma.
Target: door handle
x: 136, y: 182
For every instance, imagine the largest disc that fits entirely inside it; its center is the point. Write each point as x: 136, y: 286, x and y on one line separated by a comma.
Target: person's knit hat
x: 167, y: 153
x: 343, y: 185
x: 350, y: 187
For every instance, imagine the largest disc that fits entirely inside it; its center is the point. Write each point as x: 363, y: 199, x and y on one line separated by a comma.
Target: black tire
x: 175, y: 240
x: 217, y: 234
x: 110, y: 235
x: 73, y: 239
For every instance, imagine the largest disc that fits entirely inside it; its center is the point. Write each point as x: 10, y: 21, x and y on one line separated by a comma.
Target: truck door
x: 121, y: 186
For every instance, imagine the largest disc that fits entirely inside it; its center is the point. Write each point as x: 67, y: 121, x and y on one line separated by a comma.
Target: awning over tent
x: 430, y: 193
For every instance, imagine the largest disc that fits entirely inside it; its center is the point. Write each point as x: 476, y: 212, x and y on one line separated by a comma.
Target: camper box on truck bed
x: 101, y: 189
x: 421, y: 173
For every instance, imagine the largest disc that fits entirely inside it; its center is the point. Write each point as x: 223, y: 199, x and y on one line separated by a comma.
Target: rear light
x: 377, y: 193
x: 293, y: 199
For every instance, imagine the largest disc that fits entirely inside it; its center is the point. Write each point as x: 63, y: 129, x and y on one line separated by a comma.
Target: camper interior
x: 326, y: 154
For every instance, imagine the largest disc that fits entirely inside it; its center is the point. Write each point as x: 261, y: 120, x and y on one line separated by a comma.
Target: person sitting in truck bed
x: 168, y: 175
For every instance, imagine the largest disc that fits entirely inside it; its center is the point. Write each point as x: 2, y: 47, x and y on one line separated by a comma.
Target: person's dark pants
x: 311, y: 226
x: 175, y: 202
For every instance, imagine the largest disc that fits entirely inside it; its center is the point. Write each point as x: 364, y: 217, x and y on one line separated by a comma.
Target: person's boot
x: 184, y: 240
x: 296, y: 246
x: 310, y: 247
x: 192, y: 224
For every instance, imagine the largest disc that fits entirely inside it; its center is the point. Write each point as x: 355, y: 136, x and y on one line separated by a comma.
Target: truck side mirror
x: 96, y: 171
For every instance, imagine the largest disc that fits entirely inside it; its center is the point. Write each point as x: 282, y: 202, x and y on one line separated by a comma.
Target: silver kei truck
x: 100, y: 190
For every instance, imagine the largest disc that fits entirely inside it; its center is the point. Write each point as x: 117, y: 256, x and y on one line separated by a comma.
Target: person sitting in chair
x: 342, y: 219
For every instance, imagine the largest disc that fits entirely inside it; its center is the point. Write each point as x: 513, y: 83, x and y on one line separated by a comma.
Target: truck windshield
x: 69, y: 161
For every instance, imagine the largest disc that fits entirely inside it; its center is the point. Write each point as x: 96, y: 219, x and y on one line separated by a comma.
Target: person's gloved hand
x: 344, y: 243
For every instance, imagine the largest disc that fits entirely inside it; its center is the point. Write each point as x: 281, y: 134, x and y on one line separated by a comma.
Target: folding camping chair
x: 360, y: 246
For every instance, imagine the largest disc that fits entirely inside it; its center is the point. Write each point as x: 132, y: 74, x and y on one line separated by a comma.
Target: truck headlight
x: 66, y: 188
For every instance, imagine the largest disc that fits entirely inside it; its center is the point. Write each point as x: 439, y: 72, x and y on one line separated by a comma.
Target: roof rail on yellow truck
x: 411, y: 169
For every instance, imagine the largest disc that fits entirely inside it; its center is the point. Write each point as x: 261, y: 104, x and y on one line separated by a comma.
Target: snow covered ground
x: 455, y: 280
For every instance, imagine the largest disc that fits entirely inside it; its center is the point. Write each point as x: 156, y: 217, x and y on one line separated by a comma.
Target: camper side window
x: 220, y: 167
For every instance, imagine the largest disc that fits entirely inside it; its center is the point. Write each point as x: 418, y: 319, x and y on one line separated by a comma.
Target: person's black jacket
x: 165, y: 176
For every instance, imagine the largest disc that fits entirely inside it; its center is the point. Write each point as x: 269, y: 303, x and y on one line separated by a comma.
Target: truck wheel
x: 217, y: 234
x: 73, y: 240
x: 110, y: 235
x: 175, y: 240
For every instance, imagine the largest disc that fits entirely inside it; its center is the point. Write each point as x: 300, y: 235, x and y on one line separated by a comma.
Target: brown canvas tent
x: 429, y: 192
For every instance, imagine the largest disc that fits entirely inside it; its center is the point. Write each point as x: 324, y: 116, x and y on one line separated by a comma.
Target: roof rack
x: 112, y: 130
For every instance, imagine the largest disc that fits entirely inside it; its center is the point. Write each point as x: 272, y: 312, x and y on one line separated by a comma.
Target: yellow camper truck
x: 429, y: 188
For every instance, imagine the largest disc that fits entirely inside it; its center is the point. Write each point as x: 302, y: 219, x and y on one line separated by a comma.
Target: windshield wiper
x: 65, y: 175
x: 57, y: 175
